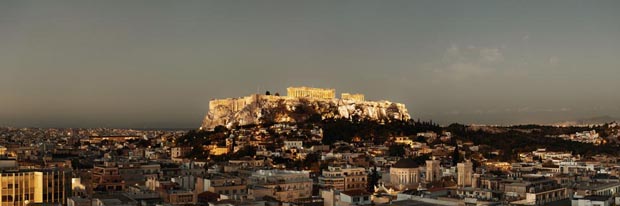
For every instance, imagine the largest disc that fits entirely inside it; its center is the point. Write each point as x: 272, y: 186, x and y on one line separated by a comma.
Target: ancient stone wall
x: 259, y: 109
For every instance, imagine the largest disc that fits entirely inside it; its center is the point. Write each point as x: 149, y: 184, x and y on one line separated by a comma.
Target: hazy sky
x: 158, y: 63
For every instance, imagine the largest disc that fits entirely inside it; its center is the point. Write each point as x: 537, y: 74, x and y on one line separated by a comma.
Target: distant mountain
x: 588, y: 121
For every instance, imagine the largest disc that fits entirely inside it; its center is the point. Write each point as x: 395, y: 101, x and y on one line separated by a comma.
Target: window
x: 7, y: 198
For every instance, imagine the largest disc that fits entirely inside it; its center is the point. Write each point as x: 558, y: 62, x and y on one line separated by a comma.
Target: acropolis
x: 261, y: 108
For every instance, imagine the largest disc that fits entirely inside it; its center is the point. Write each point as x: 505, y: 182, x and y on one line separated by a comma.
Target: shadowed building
x: 106, y: 177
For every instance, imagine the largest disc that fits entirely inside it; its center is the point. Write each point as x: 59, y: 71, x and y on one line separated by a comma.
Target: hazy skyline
x: 158, y: 63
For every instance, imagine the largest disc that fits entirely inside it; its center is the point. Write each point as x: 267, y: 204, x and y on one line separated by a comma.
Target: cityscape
x: 309, y: 103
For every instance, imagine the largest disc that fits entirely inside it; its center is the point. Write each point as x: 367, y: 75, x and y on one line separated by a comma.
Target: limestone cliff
x: 260, y: 109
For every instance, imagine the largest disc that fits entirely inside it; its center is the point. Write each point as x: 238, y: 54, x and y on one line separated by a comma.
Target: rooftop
x: 406, y: 163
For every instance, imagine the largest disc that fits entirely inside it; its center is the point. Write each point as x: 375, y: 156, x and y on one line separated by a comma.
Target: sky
x: 149, y: 64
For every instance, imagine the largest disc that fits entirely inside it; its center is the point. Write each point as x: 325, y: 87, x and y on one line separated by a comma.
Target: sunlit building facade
x: 23, y: 187
x: 465, y: 174
x: 309, y: 92
x: 345, y: 178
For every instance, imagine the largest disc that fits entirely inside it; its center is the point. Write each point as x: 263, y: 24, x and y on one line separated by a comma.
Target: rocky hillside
x: 261, y: 109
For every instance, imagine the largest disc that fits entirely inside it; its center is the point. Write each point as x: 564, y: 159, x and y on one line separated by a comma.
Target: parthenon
x: 309, y: 92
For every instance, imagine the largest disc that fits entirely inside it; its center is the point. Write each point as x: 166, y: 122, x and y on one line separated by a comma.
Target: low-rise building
x: 344, y: 178
x: 219, y: 183
x: 106, y: 177
x: 283, y: 185
x: 593, y: 201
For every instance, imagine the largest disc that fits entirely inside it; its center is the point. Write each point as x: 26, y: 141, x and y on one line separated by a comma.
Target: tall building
x: 309, y: 92
x: 44, y: 186
x: 464, y: 174
x: 433, y: 170
x: 345, y: 178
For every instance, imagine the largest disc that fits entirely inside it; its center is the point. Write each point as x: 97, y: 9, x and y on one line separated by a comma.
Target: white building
x: 465, y: 174
x: 290, y: 144
x: 333, y: 197
x: 592, y: 201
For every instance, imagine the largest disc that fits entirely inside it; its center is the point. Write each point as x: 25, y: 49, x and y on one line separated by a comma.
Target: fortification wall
x: 348, y: 96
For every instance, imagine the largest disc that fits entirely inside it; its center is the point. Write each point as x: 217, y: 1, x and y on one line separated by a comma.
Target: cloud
x: 523, y: 109
x: 465, y: 70
x: 526, y: 37
x: 553, y: 61
x: 491, y: 55
x: 535, y: 110
x: 469, y: 62
x: 452, y: 54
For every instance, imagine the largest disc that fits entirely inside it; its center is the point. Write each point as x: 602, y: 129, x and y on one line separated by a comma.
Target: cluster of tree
x: 199, y: 138
x: 311, y: 162
x: 511, y: 142
x: 554, y: 130
x: 345, y: 130
x: 202, y: 137
x: 269, y: 93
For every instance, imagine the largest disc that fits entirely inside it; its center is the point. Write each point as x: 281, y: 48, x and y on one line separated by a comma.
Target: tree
x: 246, y: 151
x: 421, y: 160
x: 397, y: 150
x: 220, y: 129
x: 267, y: 93
x: 456, y: 155
x: 373, y: 179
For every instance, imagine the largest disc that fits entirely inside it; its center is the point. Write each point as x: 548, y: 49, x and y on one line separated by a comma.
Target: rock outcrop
x: 261, y: 109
